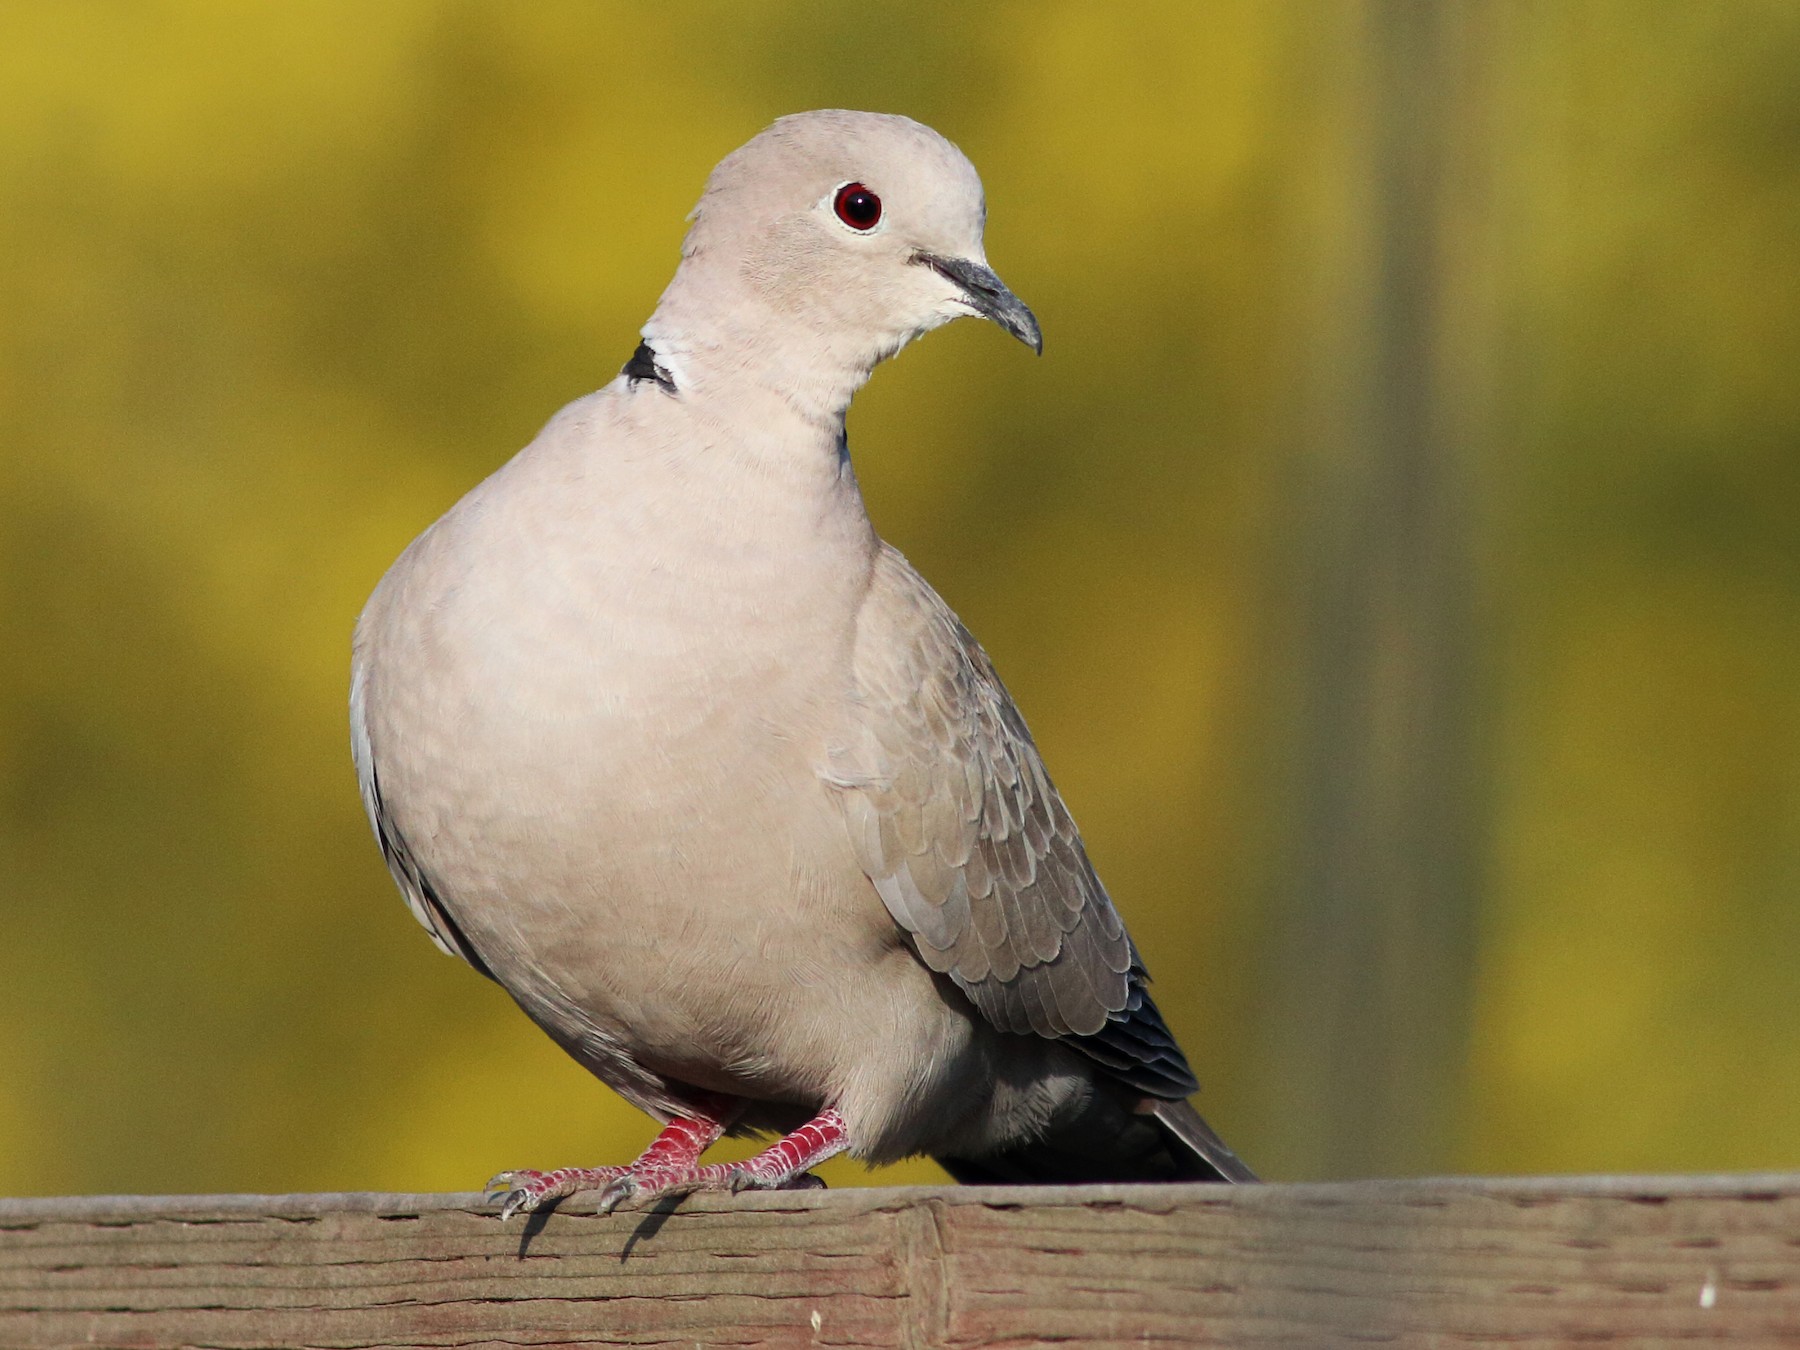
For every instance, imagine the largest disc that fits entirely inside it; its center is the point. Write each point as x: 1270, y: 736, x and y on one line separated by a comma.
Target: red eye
x: 857, y: 207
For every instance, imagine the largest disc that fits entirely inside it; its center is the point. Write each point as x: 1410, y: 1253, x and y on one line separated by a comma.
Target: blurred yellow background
x: 1396, y: 550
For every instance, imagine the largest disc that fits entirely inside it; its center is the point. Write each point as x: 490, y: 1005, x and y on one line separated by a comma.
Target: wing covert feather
x: 956, y: 822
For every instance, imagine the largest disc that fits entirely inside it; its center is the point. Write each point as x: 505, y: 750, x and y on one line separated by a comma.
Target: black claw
x: 617, y: 1192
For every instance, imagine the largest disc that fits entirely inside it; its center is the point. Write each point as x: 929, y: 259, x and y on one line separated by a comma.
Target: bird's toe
x: 525, y: 1190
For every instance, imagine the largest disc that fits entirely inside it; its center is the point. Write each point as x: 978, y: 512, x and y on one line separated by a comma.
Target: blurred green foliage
x: 278, y: 283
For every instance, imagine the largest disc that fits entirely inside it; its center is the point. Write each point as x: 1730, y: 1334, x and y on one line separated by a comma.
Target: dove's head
x: 829, y: 242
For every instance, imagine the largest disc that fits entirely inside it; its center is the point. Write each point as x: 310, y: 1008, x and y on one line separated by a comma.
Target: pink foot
x: 676, y: 1150
x: 784, y: 1165
x: 786, y: 1162
x: 671, y: 1165
x: 526, y: 1188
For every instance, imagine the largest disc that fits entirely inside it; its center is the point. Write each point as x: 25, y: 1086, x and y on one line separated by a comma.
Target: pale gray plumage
x: 967, y: 843
x: 657, y: 733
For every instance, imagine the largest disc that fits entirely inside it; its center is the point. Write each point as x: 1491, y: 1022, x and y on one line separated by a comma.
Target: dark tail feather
x: 1109, y: 1141
x: 1185, y: 1125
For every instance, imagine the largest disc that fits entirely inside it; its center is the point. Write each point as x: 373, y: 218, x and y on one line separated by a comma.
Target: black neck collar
x: 644, y: 366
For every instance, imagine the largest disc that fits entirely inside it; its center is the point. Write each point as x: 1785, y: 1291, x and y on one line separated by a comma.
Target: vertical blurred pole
x: 1375, y: 931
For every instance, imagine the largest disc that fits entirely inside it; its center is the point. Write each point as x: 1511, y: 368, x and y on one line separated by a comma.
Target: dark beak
x: 987, y: 296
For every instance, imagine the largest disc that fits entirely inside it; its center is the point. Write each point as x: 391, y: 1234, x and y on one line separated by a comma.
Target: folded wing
x: 972, y: 850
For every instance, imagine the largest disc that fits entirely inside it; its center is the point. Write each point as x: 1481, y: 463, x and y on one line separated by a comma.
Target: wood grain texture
x: 1566, y: 1261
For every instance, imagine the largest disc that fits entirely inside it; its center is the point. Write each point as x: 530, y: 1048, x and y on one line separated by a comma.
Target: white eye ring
x: 857, y: 208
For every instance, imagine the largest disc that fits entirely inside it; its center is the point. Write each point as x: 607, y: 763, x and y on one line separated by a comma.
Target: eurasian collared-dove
x: 656, y: 732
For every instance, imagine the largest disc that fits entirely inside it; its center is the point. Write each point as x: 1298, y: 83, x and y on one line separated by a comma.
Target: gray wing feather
x: 956, y: 822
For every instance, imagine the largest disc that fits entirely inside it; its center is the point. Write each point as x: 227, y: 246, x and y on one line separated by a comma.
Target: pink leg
x: 672, y: 1165
x: 784, y: 1162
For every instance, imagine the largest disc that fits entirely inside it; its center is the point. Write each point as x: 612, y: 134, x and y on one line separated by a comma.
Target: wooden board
x: 1568, y: 1261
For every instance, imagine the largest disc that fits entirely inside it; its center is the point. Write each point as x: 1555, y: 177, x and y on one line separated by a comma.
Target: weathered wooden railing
x: 1567, y: 1261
